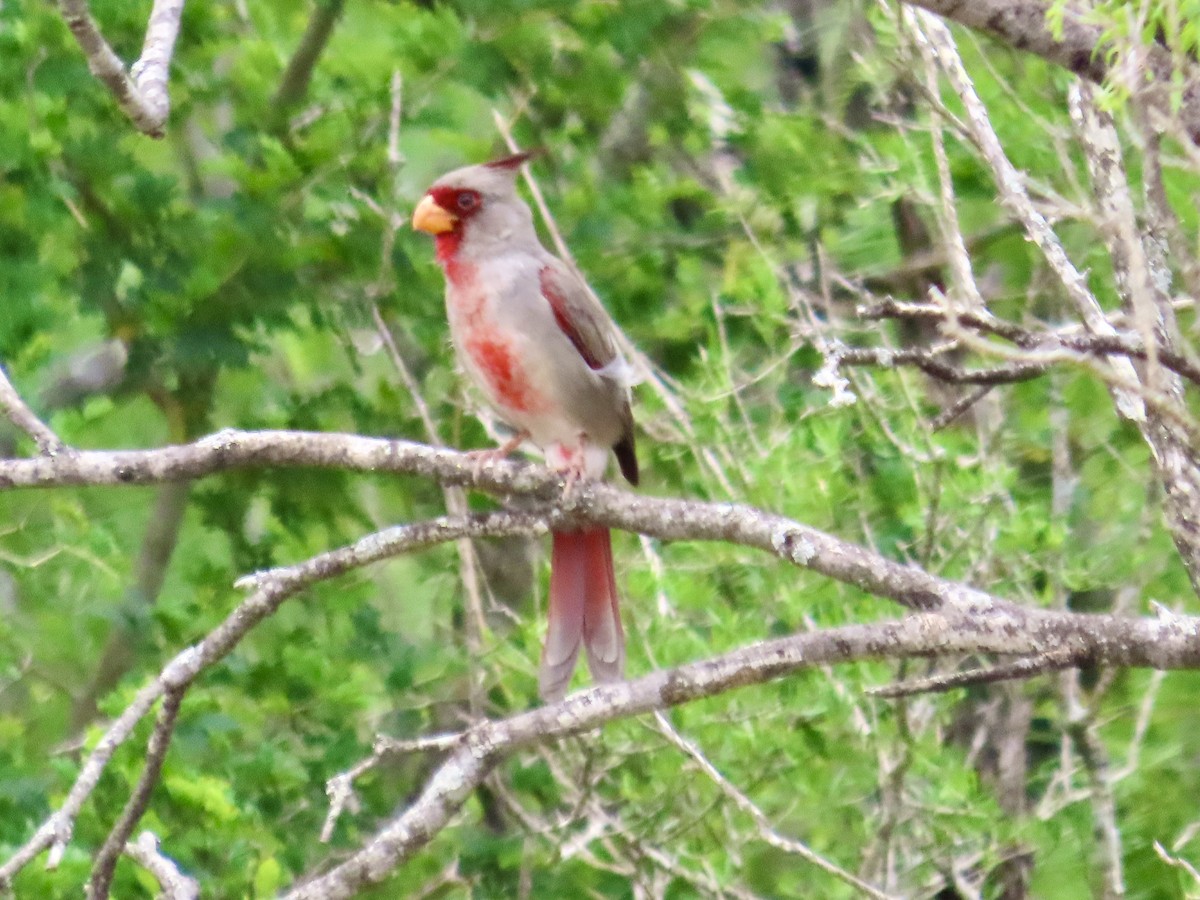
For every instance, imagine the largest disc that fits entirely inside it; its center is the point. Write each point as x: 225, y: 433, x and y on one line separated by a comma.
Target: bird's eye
x: 466, y: 201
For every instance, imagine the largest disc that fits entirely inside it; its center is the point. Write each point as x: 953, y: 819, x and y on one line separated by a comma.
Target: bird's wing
x: 580, y: 316
x: 586, y: 324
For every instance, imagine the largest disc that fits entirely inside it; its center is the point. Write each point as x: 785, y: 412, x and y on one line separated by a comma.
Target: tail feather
x: 583, y: 611
x: 602, y: 633
x: 564, y: 627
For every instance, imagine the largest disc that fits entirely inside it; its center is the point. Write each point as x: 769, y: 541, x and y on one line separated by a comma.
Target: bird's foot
x: 578, y: 462
x: 480, y: 458
x: 576, y: 472
x: 574, y: 475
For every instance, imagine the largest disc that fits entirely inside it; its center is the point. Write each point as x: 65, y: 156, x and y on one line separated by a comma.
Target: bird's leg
x: 572, y: 462
x: 481, y: 457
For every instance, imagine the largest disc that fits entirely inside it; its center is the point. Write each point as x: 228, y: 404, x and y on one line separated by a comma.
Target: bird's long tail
x: 583, y: 610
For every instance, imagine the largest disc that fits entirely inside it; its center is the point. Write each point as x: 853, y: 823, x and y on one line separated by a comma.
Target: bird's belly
x: 524, y: 370
x: 496, y: 363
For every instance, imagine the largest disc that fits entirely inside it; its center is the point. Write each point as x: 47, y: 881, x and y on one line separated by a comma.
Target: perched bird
x: 543, y: 351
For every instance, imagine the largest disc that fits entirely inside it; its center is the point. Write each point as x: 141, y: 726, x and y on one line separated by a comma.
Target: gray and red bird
x: 543, y: 351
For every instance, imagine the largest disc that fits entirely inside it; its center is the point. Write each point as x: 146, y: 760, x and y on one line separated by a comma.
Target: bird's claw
x: 481, y: 458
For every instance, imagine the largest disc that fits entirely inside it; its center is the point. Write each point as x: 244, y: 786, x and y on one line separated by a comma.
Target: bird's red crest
x: 509, y: 163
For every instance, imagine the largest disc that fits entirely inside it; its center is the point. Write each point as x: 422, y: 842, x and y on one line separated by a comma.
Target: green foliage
x: 236, y: 262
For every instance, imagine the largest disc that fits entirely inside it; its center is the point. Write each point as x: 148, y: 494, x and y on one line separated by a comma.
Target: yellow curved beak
x: 434, y: 219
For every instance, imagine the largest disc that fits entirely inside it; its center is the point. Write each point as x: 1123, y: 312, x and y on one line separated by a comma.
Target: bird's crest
x: 511, y: 163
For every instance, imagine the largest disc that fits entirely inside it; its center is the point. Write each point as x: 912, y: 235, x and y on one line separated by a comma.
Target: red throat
x: 460, y: 274
x: 447, y: 244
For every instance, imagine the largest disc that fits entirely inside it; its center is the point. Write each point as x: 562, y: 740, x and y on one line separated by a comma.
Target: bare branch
x: 765, y: 830
x: 1177, y: 862
x: 152, y: 70
x: 1020, y: 668
x: 105, y: 863
x: 487, y: 744
x: 927, y: 360
x: 967, y: 294
x: 1015, y: 197
x: 142, y: 91
x: 15, y: 409
x: 1104, y: 805
x: 293, y: 84
x: 1121, y: 343
x: 1119, y: 227
x: 958, y: 407
x: 340, y: 788
x: 175, y: 885
x: 593, y: 502
x: 271, y: 589
x: 1023, y: 24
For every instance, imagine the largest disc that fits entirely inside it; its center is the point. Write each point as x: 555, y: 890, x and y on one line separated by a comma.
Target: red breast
x: 489, y: 348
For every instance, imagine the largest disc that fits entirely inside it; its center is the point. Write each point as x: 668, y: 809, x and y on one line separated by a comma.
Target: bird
x: 543, y: 351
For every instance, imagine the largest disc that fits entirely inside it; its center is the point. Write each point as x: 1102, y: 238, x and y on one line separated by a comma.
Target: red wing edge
x: 558, y: 303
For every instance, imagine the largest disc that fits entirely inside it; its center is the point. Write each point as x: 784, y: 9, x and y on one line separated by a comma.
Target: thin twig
x: 766, y: 831
x: 948, y: 415
x: 340, y: 788
x: 1104, y: 805
x: 1051, y: 661
x: 105, y: 863
x: 1120, y: 229
x: 933, y: 33
x: 271, y: 590
x: 928, y: 361
x: 952, y: 237
x: 454, y: 496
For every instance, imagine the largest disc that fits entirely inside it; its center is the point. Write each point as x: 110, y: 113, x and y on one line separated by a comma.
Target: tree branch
x: 1024, y: 667
x: 175, y: 885
x: 484, y: 746
x: 1120, y: 343
x: 766, y: 832
x: 593, y: 502
x: 17, y: 412
x: 142, y: 91
x: 928, y: 361
x: 935, y: 36
x: 270, y: 590
x: 1081, y: 49
x: 293, y: 85
x: 952, y: 617
x: 105, y: 863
